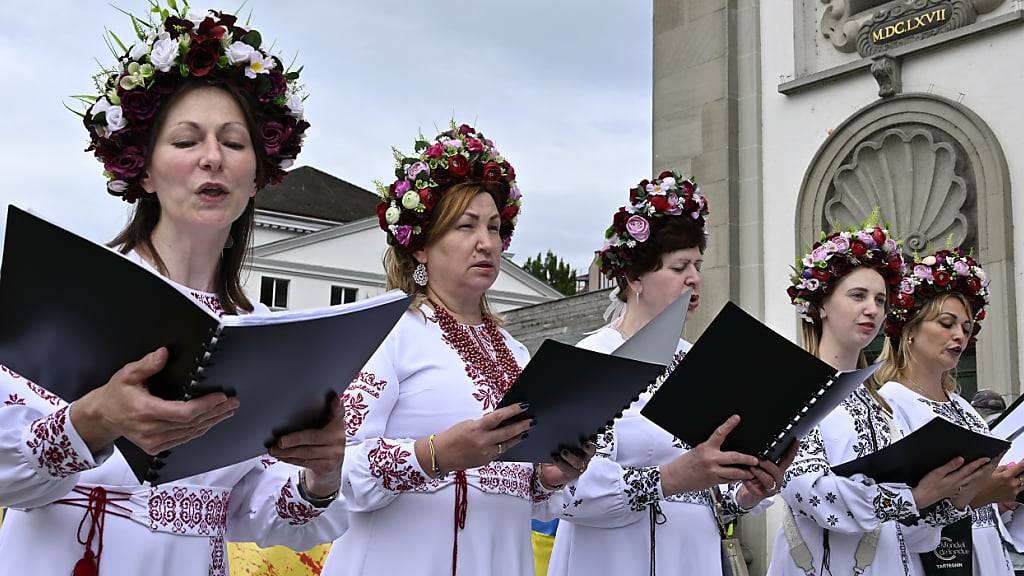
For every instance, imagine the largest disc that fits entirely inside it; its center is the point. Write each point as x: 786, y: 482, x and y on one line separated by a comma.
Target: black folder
x: 573, y: 394
x: 740, y: 366
x: 912, y: 457
x: 74, y: 312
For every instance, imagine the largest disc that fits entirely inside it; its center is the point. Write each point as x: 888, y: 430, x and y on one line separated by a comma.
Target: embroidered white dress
x: 842, y: 510
x: 429, y: 374
x: 609, y: 515
x: 913, y: 411
x: 47, y: 474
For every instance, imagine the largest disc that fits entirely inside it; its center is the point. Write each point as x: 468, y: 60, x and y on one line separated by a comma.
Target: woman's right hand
x: 706, y: 465
x: 950, y: 481
x: 473, y: 443
x: 124, y: 407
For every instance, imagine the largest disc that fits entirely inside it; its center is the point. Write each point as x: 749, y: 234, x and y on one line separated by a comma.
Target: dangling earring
x: 419, y: 275
x: 229, y: 242
x: 637, y: 294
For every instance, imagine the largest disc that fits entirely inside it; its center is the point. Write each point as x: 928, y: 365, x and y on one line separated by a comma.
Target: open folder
x: 74, y: 312
x: 574, y: 393
x: 912, y: 457
x: 740, y: 366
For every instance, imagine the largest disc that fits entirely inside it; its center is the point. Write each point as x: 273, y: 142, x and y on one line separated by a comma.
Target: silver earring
x: 419, y: 275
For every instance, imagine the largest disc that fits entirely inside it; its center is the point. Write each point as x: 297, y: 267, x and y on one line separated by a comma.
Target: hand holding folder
x: 740, y: 366
x: 70, y: 338
x: 574, y: 393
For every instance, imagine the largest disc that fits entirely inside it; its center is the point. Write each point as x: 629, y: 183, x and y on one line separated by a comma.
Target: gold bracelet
x: 434, y: 470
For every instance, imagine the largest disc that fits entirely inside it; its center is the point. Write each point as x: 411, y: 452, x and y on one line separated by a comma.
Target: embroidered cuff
x: 944, y: 513
x: 52, y: 445
x: 292, y: 507
x: 538, y: 493
x: 895, y: 504
x: 394, y: 464
x: 731, y: 506
x: 643, y: 487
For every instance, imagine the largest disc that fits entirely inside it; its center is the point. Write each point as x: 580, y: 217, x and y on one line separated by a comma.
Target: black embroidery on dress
x: 890, y: 505
x: 642, y: 487
x: 943, y: 513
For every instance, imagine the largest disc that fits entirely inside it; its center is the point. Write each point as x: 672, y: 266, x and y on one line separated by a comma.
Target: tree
x: 553, y: 271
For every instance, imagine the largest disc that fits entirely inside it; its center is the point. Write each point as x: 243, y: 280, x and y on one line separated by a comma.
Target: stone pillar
x: 707, y: 123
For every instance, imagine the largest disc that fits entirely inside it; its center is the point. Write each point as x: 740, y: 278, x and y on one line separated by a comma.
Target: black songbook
x: 573, y: 393
x: 740, y: 366
x: 74, y: 312
x: 910, y: 458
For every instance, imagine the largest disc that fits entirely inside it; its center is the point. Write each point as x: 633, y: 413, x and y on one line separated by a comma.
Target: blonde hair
x: 400, y: 264
x: 896, y: 358
x: 810, y: 333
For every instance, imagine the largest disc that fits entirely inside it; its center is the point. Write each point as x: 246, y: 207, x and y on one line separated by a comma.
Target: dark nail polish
x: 524, y: 405
x: 533, y: 422
x: 524, y: 435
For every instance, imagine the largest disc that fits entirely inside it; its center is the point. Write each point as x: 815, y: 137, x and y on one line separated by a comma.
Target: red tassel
x: 86, y: 566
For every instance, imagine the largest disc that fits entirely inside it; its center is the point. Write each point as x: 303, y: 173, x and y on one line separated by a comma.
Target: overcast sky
x: 563, y: 87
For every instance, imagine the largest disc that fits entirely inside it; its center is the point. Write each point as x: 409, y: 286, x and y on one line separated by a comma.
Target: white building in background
x: 317, y: 243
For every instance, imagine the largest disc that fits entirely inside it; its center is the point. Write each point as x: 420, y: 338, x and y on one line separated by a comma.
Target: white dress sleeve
x: 846, y: 505
x: 609, y: 495
x: 376, y: 469
x: 41, y: 453
x: 266, y: 508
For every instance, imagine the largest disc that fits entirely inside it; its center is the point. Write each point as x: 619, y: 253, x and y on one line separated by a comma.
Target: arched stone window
x: 939, y: 175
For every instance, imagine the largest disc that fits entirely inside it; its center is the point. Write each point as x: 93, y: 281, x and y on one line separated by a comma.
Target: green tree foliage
x: 553, y: 271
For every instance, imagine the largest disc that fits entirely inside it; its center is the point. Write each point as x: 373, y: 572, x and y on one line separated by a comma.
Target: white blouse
x: 431, y: 373
x: 615, y: 519
x: 57, y: 491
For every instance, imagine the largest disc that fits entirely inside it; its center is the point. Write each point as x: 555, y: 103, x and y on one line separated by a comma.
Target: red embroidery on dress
x: 210, y: 301
x: 390, y: 463
x: 14, y: 400
x: 268, y: 462
x: 355, y: 411
x: 10, y: 372
x: 493, y: 375
x: 186, y: 510
x: 507, y: 478
x: 367, y: 382
x: 53, y: 399
x: 217, y: 564
x: 296, y: 512
x: 51, y: 446
x: 538, y: 493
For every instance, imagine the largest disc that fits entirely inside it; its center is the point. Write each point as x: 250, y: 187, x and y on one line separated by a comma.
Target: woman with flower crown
x: 195, y: 118
x: 424, y: 492
x: 934, y: 316
x: 854, y: 525
x: 647, y: 504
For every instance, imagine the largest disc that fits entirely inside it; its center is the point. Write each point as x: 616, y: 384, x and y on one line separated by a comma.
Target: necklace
x: 911, y: 384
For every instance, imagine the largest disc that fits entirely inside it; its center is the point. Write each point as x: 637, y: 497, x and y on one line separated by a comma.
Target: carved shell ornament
x: 913, y: 179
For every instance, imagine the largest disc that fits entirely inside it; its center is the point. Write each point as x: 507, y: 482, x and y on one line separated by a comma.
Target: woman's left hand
x: 767, y: 480
x: 567, y: 467
x: 321, y: 451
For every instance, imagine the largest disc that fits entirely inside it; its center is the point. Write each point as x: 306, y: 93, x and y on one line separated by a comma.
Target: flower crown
x: 172, y: 48
x: 945, y: 271
x: 649, y: 201
x: 835, y: 255
x: 460, y: 154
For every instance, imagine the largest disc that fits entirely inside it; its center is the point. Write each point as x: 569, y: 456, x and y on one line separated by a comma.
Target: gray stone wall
x: 565, y: 320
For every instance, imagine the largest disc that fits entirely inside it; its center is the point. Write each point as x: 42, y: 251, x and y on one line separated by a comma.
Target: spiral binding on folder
x: 796, y: 419
x: 196, y: 376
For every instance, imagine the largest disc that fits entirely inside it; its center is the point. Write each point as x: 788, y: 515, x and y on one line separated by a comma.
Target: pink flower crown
x: 945, y: 271
x: 835, y: 255
x: 460, y: 154
x: 173, y: 48
x: 649, y: 201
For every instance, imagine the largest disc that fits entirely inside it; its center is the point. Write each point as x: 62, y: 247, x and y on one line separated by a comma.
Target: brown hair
x: 896, y: 357
x: 810, y: 337
x: 668, y: 234
x: 138, y: 233
x: 400, y: 264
